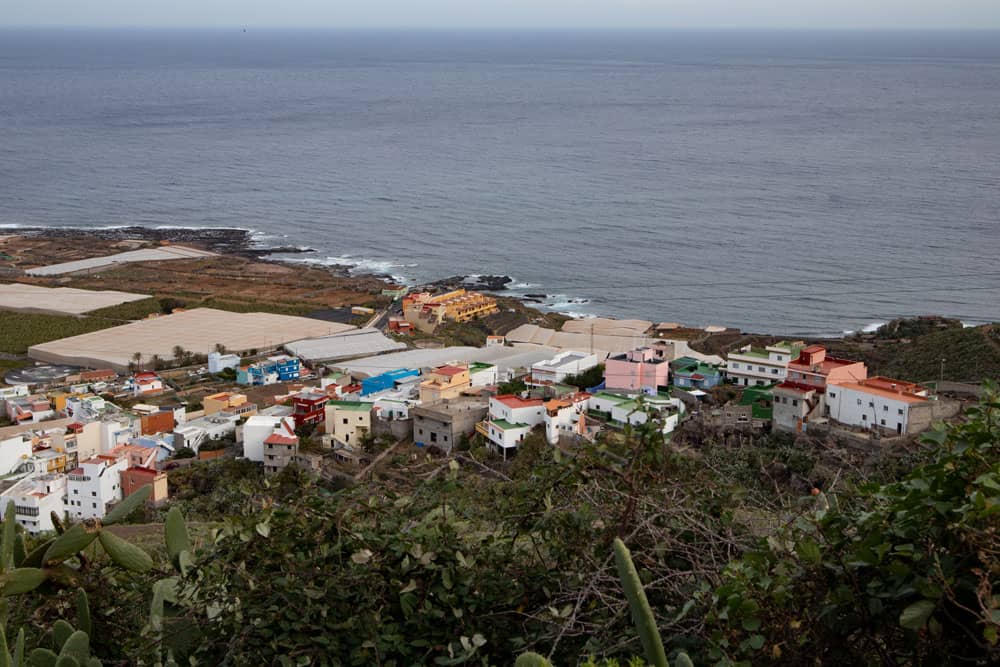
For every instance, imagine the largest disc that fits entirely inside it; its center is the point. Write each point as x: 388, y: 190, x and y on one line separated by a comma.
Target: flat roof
x: 504, y: 358
x: 197, y: 330
x: 63, y: 300
x: 160, y: 254
x: 357, y: 343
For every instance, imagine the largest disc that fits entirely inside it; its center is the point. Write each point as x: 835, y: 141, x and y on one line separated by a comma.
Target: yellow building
x: 444, y: 382
x: 223, y: 401
x: 426, y: 312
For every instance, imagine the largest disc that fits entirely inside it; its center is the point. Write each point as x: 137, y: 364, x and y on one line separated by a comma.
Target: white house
x: 564, y: 364
x: 510, y: 420
x: 562, y: 416
x: 257, y: 429
x: 35, y: 499
x: 875, y: 403
x: 752, y: 366
x: 16, y: 391
x: 483, y: 375
x: 146, y: 383
x: 218, y: 362
x: 94, y: 486
x: 192, y: 434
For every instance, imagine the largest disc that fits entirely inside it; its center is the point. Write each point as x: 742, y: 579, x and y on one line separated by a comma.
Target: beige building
x: 445, y: 382
x: 228, y: 401
x: 426, y: 311
x: 347, y: 422
x: 280, y: 451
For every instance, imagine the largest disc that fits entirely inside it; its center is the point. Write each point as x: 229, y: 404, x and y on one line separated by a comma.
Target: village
x: 98, y: 415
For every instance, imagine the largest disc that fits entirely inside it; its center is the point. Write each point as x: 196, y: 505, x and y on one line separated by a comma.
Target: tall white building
x: 564, y: 364
x: 94, y: 486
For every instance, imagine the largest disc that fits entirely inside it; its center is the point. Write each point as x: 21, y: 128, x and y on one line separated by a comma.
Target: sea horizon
x: 764, y: 179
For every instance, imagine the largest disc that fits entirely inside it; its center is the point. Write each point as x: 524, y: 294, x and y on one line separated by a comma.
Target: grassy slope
x: 19, y: 331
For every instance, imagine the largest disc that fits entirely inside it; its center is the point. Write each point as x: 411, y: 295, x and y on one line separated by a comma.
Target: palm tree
x: 220, y: 348
x: 155, y: 362
x: 180, y: 354
x: 137, y: 360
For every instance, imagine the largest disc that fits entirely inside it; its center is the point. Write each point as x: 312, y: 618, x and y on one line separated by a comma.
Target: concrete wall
x: 396, y: 429
x: 923, y: 416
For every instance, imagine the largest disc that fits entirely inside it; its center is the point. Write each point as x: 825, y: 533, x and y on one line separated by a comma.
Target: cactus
x: 20, y: 551
x: 531, y: 660
x: 127, y: 506
x: 83, y: 610
x: 72, y: 542
x: 21, y: 580
x: 125, y: 554
x: 642, y: 615
x: 176, y: 536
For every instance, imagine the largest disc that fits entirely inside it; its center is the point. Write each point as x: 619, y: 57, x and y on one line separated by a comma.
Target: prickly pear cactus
x: 531, y: 660
x: 642, y: 615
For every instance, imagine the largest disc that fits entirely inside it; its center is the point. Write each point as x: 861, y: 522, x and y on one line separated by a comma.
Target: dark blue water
x: 787, y: 182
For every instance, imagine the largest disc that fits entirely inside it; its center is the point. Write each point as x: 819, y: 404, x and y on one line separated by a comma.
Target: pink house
x: 639, y: 370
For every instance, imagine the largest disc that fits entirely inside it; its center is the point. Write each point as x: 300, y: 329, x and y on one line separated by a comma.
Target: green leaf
x: 751, y: 624
x: 127, y: 506
x: 176, y: 535
x: 61, y: 632
x: 9, y: 533
x: 915, y: 616
x: 128, y: 555
x: 42, y: 657
x: 22, y: 580
x: 70, y: 543
x: 756, y: 642
x: 809, y: 551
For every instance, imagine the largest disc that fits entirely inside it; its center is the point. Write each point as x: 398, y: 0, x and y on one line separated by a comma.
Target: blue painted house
x: 386, y: 380
x: 689, y: 373
x: 271, y: 371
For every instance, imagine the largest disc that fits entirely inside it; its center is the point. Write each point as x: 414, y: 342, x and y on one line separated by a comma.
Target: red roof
x: 76, y: 471
x: 512, y: 401
x: 278, y: 439
x: 146, y: 376
x: 449, y: 370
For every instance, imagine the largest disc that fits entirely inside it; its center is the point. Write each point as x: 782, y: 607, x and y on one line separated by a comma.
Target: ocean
x: 800, y: 183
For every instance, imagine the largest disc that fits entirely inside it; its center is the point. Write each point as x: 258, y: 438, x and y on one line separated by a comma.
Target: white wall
x: 13, y: 452
x: 857, y: 408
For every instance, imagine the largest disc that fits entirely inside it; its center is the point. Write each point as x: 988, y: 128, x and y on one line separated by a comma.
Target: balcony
x: 483, y: 428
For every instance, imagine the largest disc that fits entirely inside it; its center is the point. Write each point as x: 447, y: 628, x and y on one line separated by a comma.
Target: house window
x: 859, y: 401
x: 94, y: 504
x: 900, y: 411
x: 795, y: 402
x: 774, y: 371
x: 445, y: 438
x: 871, y: 404
x: 345, y: 420
x: 885, y: 408
x: 93, y: 493
x: 421, y: 431
x: 864, y: 418
x: 883, y: 422
x: 762, y: 369
x: 434, y: 437
x: 833, y: 395
x: 735, y: 365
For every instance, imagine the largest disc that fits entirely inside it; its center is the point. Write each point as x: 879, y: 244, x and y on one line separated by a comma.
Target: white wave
x: 514, y: 286
x: 868, y: 328
x: 356, y: 265
x: 578, y: 316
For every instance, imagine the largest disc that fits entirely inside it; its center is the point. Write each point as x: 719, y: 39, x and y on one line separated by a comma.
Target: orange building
x: 134, y: 479
x: 445, y: 382
x: 426, y: 311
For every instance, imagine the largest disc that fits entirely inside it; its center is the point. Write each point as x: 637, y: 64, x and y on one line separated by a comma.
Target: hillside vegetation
x: 465, y: 567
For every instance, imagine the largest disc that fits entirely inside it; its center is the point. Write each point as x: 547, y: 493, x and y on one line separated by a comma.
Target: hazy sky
x: 507, y: 13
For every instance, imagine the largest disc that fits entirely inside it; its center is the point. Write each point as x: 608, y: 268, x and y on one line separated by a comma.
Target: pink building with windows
x: 643, y: 370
